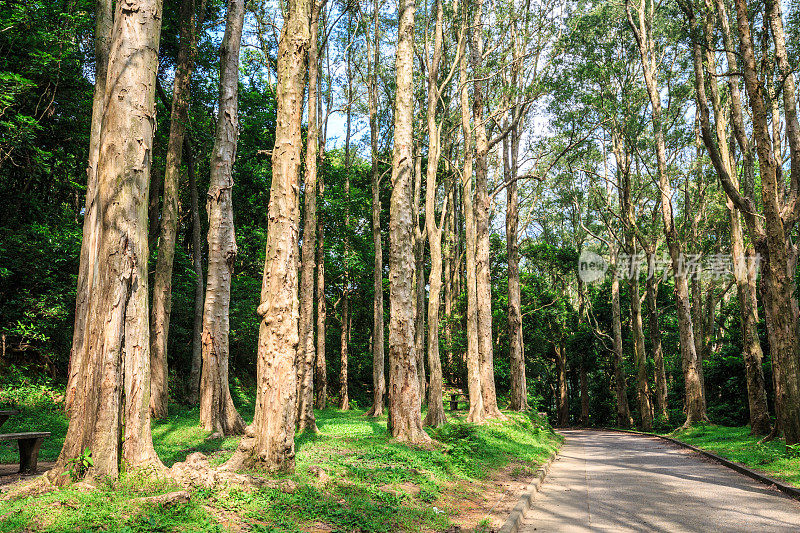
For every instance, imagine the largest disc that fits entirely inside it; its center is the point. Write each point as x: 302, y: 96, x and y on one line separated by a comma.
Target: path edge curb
x: 789, y: 490
x: 512, y: 523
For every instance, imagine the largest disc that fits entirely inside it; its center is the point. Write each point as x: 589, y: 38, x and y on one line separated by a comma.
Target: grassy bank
x: 371, y: 483
x: 773, y: 458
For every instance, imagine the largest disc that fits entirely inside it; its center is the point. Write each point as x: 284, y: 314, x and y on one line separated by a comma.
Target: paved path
x: 609, y: 481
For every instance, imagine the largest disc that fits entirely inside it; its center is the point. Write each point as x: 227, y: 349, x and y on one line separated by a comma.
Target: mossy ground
x: 773, y: 458
x: 375, y: 483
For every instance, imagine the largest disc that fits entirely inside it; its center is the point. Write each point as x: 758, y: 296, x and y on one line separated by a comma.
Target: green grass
x: 375, y: 483
x: 773, y: 458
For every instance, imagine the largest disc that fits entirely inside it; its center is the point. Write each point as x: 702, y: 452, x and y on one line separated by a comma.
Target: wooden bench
x: 455, y: 397
x: 29, y: 444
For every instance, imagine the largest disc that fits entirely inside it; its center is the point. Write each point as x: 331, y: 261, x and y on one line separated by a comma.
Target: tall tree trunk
x: 110, y: 412
x: 744, y: 275
x: 435, y: 416
x: 695, y: 402
x: 655, y: 341
x: 272, y: 446
x: 519, y: 389
x: 378, y: 356
x: 344, y: 398
x: 642, y: 384
x: 624, y: 418
x: 405, y: 418
x: 162, y: 282
x: 420, y: 234
x: 482, y: 211
x: 88, y: 269
x: 305, y: 349
x: 217, y: 412
x: 562, y: 399
x: 193, y: 389
x: 476, y: 411
x: 321, y: 367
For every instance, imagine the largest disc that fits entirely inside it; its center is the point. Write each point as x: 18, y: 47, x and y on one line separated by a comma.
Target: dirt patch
x: 489, y: 502
x: 9, y: 473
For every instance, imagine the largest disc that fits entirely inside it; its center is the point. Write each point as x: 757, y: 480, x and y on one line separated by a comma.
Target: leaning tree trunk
x: 482, y: 212
x: 274, y: 421
x: 217, y: 412
x: 305, y: 349
x: 476, y: 412
x: 405, y: 419
x: 418, y: 283
x: 87, y: 271
x: 162, y: 282
x: 110, y: 412
x: 378, y: 355
x: 344, y: 397
x: 435, y: 416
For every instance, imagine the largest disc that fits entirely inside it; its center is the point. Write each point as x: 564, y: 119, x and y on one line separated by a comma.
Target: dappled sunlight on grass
x: 736, y: 444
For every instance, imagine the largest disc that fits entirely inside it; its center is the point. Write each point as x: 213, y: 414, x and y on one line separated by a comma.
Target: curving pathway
x: 609, y: 481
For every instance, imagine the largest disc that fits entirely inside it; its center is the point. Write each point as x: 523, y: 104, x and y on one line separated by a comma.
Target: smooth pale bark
x: 162, y: 281
x: 87, y: 272
x: 193, y: 388
x: 655, y: 341
x: 476, y: 412
x: 482, y: 212
x: 378, y: 354
x: 435, y: 416
x: 305, y: 349
x: 695, y: 401
x: 404, y: 401
x: 272, y: 446
x: 562, y: 399
x: 624, y: 418
x: 321, y: 366
x: 110, y: 412
x: 217, y: 412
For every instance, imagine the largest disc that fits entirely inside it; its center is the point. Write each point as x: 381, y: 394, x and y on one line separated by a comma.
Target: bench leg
x: 29, y: 455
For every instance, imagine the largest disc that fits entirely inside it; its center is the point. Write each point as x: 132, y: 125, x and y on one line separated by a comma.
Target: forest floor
x: 773, y: 458
x: 349, y: 477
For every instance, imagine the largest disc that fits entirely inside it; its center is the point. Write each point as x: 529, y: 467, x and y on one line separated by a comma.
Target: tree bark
x: 162, y: 282
x: 420, y: 234
x: 305, y: 349
x: 642, y: 384
x: 193, y: 389
x: 217, y: 412
x: 482, y: 213
x: 562, y: 399
x: 378, y: 355
x: 110, y: 412
x: 88, y: 269
x: 321, y: 367
x: 435, y: 416
x: 276, y: 407
x: 344, y: 397
x: 624, y: 418
x: 695, y: 401
x: 476, y: 411
x: 655, y: 341
x: 405, y: 419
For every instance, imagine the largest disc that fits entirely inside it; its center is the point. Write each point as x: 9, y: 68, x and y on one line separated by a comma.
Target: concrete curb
x: 789, y: 490
x: 511, y: 525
